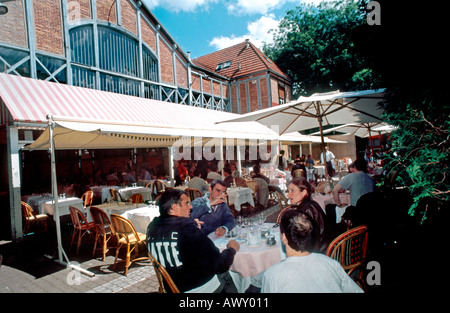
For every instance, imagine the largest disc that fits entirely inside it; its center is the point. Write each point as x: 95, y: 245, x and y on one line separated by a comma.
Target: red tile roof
x: 245, y: 59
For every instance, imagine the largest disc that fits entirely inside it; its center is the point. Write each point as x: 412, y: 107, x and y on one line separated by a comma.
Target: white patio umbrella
x: 363, y: 130
x: 332, y: 108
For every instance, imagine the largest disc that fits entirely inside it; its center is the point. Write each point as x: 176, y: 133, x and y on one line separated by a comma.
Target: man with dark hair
x: 212, y: 210
x: 193, y: 261
x: 358, y: 182
x: 303, y: 270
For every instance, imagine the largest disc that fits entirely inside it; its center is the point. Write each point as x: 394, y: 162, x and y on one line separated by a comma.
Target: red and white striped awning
x: 27, y: 100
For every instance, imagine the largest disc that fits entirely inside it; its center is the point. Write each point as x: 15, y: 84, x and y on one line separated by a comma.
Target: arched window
x: 118, y: 61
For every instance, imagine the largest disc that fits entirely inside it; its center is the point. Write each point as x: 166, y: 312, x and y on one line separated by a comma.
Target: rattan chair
x: 81, y: 226
x: 281, y: 214
x: 193, y: 193
x: 350, y: 249
x: 103, y: 229
x: 163, y: 275
x: 127, y: 235
x: 136, y: 198
x: 30, y: 219
x: 157, y: 187
x: 299, y: 173
x: 116, y: 196
x: 87, y: 198
x: 240, y: 182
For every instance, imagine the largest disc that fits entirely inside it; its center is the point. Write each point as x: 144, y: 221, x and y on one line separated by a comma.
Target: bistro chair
x: 163, y: 276
x: 281, y: 214
x: 193, y: 193
x: 127, y: 235
x: 29, y: 219
x: 350, y: 249
x: 299, y: 173
x: 136, y: 198
x: 81, y: 226
x: 87, y: 198
x: 157, y: 187
x: 115, y: 195
x: 240, y: 182
x: 103, y: 229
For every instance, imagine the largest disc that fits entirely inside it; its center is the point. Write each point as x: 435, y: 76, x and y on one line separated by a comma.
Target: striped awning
x: 83, y: 110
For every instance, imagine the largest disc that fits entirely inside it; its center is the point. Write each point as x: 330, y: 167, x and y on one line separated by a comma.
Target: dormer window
x: 223, y: 65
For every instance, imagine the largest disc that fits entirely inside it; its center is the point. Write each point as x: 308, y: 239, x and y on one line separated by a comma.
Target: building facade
x: 120, y: 46
x: 115, y: 46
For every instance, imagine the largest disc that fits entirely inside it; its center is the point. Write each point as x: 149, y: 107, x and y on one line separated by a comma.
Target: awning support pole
x: 61, y: 252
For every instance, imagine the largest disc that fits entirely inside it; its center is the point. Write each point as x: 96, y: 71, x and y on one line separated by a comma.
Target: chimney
x: 247, y: 43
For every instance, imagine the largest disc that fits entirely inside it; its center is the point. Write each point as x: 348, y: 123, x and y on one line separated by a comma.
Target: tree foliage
x: 315, y: 46
x: 330, y: 46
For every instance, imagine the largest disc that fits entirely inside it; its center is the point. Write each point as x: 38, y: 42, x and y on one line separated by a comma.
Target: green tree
x: 315, y: 46
x: 331, y: 47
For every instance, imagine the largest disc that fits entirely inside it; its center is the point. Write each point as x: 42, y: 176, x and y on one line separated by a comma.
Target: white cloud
x: 179, y: 5
x: 242, y: 7
x: 257, y: 33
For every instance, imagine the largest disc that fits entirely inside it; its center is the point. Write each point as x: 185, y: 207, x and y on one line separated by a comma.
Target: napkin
x: 339, y: 212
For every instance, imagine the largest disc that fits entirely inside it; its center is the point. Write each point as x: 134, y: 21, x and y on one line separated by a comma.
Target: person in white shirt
x: 302, y: 270
x: 329, y: 161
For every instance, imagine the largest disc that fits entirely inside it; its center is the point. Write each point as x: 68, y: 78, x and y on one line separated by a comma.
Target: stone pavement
x: 30, y: 267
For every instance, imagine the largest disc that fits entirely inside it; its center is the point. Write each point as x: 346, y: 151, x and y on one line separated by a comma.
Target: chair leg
x: 127, y: 261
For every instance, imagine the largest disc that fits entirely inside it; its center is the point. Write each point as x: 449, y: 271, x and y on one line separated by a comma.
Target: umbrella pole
x: 323, y: 146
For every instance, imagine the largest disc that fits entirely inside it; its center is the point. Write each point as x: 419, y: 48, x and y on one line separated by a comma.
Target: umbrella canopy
x: 363, y: 130
x: 332, y: 108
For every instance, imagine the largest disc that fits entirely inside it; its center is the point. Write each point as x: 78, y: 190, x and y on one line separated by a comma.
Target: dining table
x: 324, y: 199
x: 239, y: 196
x: 253, y: 258
x: 140, y: 214
x: 127, y: 192
x: 102, y: 192
x: 48, y: 207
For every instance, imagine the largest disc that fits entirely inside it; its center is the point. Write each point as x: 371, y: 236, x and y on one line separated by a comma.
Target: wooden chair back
x: 163, y: 275
x: 157, y: 187
x: 300, y: 173
x: 78, y: 218
x: 124, y: 229
x: 240, y: 182
x: 136, y: 198
x: 115, y: 195
x: 252, y: 184
x: 193, y: 193
x: 87, y: 198
x: 29, y: 218
x: 101, y: 221
x: 281, y: 214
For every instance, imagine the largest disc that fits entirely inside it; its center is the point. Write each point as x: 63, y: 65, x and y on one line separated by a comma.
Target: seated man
x: 197, y: 182
x: 212, y: 211
x: 192, y: 260
x: 303, y: 270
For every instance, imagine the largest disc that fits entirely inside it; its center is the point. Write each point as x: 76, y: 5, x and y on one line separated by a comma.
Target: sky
x: 204, y: 26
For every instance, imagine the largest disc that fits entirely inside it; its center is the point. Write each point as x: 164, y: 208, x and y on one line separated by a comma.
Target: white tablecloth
x: 323, y: 200
x: 320, y: 170
x: 129, y: 191
x: 139, y: 214
x: 238, y: 196
x: 250, y: 261
x: 36, y: 201
x: 141, y: 217
x: 63, y: 204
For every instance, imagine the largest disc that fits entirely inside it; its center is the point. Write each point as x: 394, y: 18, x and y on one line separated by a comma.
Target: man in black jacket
x: 191, y: 258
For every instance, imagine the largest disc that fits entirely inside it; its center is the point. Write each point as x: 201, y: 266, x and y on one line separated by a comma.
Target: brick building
x: 120, y: 46
x: 116, y: 46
